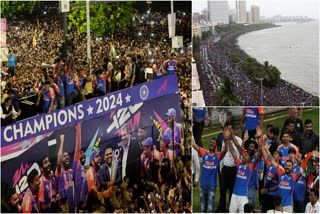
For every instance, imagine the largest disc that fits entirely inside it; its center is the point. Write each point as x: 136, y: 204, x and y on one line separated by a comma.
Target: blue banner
x: 88, y: 110
x: 97, y: 130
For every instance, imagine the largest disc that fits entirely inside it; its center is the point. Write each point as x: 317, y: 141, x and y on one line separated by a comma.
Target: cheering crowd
x: 39, y: 78
x: 283, y: 94
x: 280, y: 166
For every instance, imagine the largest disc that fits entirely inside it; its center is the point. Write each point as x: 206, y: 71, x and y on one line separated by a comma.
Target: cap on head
x: 94, y: 154
x: 147, y: 142
x: 166, y: 138
x: 171, y: 112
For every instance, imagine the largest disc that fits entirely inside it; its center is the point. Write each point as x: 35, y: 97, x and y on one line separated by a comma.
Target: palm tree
x: 271, y: 74
x: 227, y: 95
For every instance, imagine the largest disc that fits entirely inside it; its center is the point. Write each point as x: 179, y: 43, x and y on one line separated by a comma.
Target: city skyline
x: 270, y: 8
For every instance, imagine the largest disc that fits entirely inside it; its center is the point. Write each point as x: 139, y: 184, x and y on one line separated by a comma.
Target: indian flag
x: 113, y: 51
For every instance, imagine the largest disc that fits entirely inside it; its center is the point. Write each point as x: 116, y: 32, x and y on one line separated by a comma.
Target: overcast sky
x: 270, y: 8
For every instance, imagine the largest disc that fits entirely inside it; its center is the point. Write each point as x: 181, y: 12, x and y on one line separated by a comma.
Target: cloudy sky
x: 270, y: 8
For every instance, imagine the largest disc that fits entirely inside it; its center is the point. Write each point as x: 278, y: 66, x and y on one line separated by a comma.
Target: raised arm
x: 78, y: 142
x: 195, y: 146
x: 224, y: 151
x: 60, y: 153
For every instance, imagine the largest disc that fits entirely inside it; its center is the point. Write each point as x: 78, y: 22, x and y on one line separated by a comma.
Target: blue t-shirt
x: 285, y: 152
x: 59, y: 82
x: 255, y: 175
x: 100, y: 85
x: 66, y: 187
x: 272, y: 178
x: 70, y: 83
x: 252, y: 117
x: 200, y: 112
x: 299, y: 189
x: 170, y: 67
x: 79, y: 174
x: 286, y: 186
x: 244, y: 173
x: 210, y: 164
x: 11, y: 60
x: 295, y: 169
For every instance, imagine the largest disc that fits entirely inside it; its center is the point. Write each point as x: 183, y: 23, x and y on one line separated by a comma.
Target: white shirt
x: 228, y: 159
x: 124, y: 159
x: 195, y: 165
x: 276, y: 211
x: 313, y: 209
x: 3, y: 116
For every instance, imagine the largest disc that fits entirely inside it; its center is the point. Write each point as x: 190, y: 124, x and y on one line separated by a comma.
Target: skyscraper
x: 249, y: 17
x: 218, y: 12
x: 241, y: 11
x: 255, y: 13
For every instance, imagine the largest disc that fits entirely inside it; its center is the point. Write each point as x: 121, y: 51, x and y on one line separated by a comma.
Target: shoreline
x: 230, y: 43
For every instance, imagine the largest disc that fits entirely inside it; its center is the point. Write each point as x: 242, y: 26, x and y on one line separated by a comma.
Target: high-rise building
x: 218, y: 12
x: 249, y: 17
x: 241, y: 11
x: 255, y: 13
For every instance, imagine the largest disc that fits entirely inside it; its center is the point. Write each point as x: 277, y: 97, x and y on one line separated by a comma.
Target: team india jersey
x: 285, y: 152
x: 299, y: 189
x: 79, y: 174
x: 272, y: 177
x: 286, y: 186
x: 252, y: 117
x: 66, y: 187
x: 210, y: 164
x: 47, y: 191
x: 100, y: 85
x: 244, y: 172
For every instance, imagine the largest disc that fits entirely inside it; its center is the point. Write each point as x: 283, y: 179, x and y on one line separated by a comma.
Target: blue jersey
x: 47, y: 191
x: 210, y: 165
x: 59, y: 82
x: 177, y: 136
x: 286, y: 186
x: 252, y: 117
x: 66, y: 187
x: 79, y: 173
x: 295, y: 169
x: 299, y: 189
x: 272, y: 178
x: 200, y: 112
x: 69, y: 79
x: 171, y: 66
x: 244, y: 173
x: 255, y: 175
x: 48, y: 96
x: 81, y: 82
x: 285, y: 152
x: 100, y: 85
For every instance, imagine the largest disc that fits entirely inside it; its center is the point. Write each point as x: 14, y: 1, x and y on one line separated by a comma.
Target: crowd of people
x: 44, y: 72
x: 279, y: 167
x: 124, y: 58
x: 249, y: 89
x: 133, y: 176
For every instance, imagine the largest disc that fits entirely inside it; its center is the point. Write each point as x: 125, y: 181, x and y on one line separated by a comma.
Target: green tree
x: 206, y: 35
x: 227, y: 95
x: 10, y: 8
x: 104, y: 17
x: 234, y: 58
x: 271, y: 75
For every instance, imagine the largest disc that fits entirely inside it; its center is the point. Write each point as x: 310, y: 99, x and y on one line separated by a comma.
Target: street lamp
x: 249, y: 90
x: 261, y: 79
